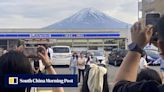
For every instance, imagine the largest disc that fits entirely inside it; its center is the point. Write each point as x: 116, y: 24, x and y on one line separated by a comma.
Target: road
x: 111, y: 74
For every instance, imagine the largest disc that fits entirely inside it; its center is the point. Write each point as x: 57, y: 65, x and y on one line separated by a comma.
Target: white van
x: 61, y: 55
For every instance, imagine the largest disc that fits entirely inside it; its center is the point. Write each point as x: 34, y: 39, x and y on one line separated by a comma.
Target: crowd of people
x: 94, y: 76
x: 80, y: 63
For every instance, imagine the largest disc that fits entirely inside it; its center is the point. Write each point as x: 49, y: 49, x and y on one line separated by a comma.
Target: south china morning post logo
x: 13, y: 80
x: 41, y: 81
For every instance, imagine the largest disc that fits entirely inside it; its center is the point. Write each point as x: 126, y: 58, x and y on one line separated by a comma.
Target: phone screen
x: 152, y: 18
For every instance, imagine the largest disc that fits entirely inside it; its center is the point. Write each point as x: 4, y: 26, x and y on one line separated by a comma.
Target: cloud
x: 39, y: 13
x: 126, y: 11
x: 20, y: 22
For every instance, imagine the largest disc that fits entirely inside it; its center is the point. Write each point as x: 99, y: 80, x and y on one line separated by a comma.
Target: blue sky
x: 40, y: 13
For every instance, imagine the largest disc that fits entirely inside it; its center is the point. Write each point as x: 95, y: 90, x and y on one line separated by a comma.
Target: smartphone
x: 152, y: 19
x: 30, y: 52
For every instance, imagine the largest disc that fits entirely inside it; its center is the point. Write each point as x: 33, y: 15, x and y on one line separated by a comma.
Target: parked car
x: 61, y: 55
x: 116, y: 56
x: 100, y: 57
x: 152, y: 56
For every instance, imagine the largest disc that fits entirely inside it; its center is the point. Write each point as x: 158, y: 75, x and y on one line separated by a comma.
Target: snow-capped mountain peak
x: 89, y: 18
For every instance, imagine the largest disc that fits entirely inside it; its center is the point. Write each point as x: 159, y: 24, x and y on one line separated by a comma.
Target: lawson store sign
x: 57, y: 35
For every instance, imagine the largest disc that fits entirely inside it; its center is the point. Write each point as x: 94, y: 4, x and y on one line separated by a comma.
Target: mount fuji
x: 89, y: 18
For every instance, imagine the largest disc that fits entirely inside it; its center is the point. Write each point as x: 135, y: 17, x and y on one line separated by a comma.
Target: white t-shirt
x: 143, y: 63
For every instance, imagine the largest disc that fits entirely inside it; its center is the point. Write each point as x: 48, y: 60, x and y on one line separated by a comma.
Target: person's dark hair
x: 13, y: 62
x: 74, y: 55
x: 85, y: 85
x: 149, y: 74
x: 160, y: 28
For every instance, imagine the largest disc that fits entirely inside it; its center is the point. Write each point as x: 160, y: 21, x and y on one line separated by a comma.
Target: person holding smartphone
x: 125, y: 80
x: 15, y: 62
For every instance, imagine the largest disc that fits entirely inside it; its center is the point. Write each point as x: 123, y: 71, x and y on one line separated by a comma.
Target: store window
x: 110, y: 41
x: 93, y: 48
x: 95, y: 41
x: 65, y: 42
x: 3, y: 44
x: 80, y: 41
x: 122, y: 43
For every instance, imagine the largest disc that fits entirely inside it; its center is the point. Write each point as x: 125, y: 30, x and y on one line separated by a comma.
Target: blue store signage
x: 57, y: 35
